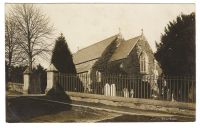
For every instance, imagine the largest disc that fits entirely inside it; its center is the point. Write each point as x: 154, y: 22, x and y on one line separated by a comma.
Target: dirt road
x: 43, y: 109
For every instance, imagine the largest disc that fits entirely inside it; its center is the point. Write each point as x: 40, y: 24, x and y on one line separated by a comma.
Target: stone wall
x: 16, y: 87
x: 132, y: 63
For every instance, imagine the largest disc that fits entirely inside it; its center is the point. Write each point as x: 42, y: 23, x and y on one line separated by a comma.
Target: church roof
x: 85, y: 58
x: 84, y: 67
x: 93, y: 51
x: 124, y: 49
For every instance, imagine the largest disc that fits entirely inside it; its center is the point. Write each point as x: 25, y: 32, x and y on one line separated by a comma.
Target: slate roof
x: 85, y: 58
x: 124, y: 49
x: 93, y: 51
x: 84, y: 67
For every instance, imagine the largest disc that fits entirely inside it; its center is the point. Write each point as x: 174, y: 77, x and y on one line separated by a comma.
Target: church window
x: 144, y: 64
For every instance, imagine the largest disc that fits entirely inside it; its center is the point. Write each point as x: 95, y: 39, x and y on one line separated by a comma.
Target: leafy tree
x: 176, y: 51
x: 62, y: 57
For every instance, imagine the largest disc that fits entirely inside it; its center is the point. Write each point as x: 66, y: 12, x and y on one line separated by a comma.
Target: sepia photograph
x: 100, y: 62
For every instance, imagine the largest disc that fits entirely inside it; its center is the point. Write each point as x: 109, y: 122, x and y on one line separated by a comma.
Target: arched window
x: 144, y: 63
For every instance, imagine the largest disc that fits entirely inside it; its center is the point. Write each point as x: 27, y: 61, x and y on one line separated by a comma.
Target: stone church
x: 115, y: 55
x: 116, y: 61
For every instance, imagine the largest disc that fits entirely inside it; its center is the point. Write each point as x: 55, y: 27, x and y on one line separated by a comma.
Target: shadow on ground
x: 20, y: 109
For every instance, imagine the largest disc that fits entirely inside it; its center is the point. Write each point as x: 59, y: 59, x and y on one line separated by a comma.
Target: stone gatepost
x: 26, y: 86
x: 51, y: 77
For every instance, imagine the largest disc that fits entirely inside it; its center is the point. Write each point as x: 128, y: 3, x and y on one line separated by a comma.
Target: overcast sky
x: 86, y: 24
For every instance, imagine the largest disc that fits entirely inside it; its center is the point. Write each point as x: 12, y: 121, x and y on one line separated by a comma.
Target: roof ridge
x: 133, y: 38
x: 134, y: 43
x: 95, y: 43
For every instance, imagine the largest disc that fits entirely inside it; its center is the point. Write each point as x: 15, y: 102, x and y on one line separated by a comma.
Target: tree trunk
x: 30, y: 62
x: 30, y: 71
x: 9, y: 68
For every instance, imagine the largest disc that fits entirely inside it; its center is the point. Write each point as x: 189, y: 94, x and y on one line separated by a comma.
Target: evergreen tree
x: 62, y: 57
x: 16, y: 73
x: 176, y: 51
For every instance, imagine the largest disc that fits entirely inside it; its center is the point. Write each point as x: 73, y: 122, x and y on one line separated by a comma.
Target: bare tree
x: 33, y: 29
x: 13, y: 54
x: 10, y: 39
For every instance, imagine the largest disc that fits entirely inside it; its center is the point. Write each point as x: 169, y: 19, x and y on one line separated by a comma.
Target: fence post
x: 51, y: 77
x: 26, y: 86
